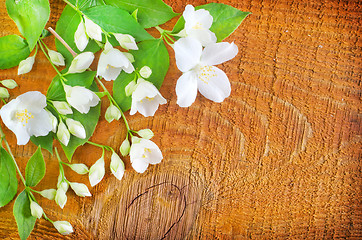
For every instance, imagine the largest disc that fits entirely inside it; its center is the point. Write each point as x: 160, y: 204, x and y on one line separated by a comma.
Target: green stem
x: 46, y: 55
x: 61, y: 169
x: 100, y: 145
x: 115, y: 103
x: 71, y: 5
x: 13, y: 158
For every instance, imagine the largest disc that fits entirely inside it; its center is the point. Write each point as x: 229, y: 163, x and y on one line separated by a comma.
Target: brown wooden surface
x: 279, y: 158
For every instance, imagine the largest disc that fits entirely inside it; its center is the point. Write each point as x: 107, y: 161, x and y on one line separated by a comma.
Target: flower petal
x: 80, y: 37
x: 40, y: 125
x: 93, y: 30
x: 33, y: 100
x: 204, y: 36
x: 186, y: 89
x: 213, y: 83
x: 139, y: 165
x: 217, y: 53
x: 187, y: 53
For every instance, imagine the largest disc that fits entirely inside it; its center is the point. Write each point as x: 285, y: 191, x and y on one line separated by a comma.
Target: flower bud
x: 125, y: 147
x: 63, y: 227
x: 26, y: 65
x: 56, y: 58
x: 93, y: 30
x: 80, y: 189
x: 54, y: 121
x: 145, y: 72
x: 63, y: 134
x: 79, y: 168
x: 126, y: 41
x: 129, y: 89
x: 96, y: 172
x: 62, y: 107
x: 145, y: 133
x: 129, y: 56
x: 117, y: 166
x: 4, y: 93
x: 76, y: 128
x: 61, y: 197
x: 112, y: 113
x: 80, y: 37
x: 81, y: 62
x: 36, y: 210
x: 9, y: 83
x: 49, y: 193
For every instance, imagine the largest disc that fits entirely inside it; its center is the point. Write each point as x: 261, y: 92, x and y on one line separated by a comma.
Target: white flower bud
x: 49, y: 193
x: 54, y: 121
x: 79, y: 168
x: 4, y: 93
x: 145, y: 72
x: 62, y: 107
x: 96, y: 172
x: 63, y: 227
x: 93, y: 30
x: 80, y: 189
x: 26, y: 65
x: 63, y: 134
x: 129, y: 89
x: 81, y: 62
x: 61, y: 197
x: 117, y: 166
x: 129, y: 56
x: 80, y: 37
x: 145, y: 133
x: 125, y: 147
x: 9, y: 83
x: 56, y: 58
x: 76, y: 128
x: 126, y: 41
x: 112, y: 113
x: 36, y: 210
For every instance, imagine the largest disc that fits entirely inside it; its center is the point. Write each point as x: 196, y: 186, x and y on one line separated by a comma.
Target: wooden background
x: 279, y: 158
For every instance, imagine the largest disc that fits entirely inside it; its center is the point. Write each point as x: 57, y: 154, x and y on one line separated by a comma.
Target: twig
x: 62, y: 41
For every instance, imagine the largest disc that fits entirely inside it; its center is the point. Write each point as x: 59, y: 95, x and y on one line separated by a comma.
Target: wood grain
x: 278, y: 159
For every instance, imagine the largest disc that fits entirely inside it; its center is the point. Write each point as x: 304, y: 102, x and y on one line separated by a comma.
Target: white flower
x: 145, y: 133
x: 81, y: 98
x: 129, y: 89
x: 49, y: 193
x: 36, y: 210
x: 126, y: 41
x: 144, y: 152
x: 199, y: 72
x: 25, y: 116
x: 9, y: 83
x: 26, y: 65
x: 76, y: 128
x: 61, y: 197
x: 125, y: 147
x: 80, y: 189
x: 117, y: 166
x: 63, y: 134
x: 81, y: 62
x: 145, y: 72
x: 4, y: 93
x: 146, y: 98
x: 80, y: 37
x: 197, y: 25
x: 63, y: 227
x: 62, y: 107
x: 79, y: 168
x: 96, y: 172
x: 112, y: 62
x: 93, y: 30
x: 54, y: 121
x: 112, y: 113
x: 56, y: 58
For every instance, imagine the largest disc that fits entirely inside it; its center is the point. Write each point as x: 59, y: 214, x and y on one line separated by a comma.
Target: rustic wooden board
x: 280, y: 158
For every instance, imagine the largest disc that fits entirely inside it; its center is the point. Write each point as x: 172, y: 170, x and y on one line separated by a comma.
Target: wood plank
x: 279, y: 158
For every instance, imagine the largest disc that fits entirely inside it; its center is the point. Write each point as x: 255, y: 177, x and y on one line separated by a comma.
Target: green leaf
x: 84, y: 4
x: 23, y: 217
x: 89, y: 120
x: 226, y: 19
x: 152, y: 53
x: 13, y: 49
x: 113, y: 19
x: 56, y: 91
x: 151, y: 13
x: 8, y: 180
x: 35, y: 169
x: 66, y: 27
x: 30, y: 16
x: 45, y: 142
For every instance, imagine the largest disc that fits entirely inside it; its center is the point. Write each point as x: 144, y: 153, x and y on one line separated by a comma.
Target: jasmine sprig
x: 40, y: 42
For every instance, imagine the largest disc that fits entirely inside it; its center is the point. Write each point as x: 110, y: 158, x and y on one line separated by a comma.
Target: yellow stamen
x: 207, y: 72
x: 24, y: 116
